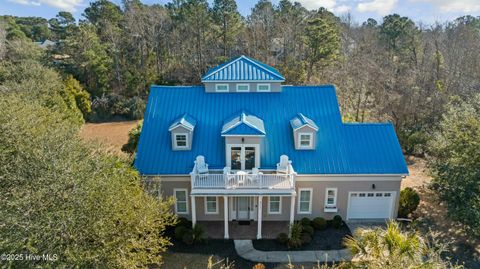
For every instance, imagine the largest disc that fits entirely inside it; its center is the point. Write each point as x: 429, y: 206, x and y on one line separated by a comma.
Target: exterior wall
x: 304, y: 129
x: 178, y: 130
x: 232, y: 86
x: 344, y: 184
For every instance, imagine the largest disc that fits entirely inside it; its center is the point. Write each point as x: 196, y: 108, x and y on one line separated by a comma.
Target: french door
x: 243, y: 157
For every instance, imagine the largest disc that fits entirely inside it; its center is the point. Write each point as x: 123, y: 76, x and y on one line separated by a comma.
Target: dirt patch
x: 431, y: 215
x: 111, y: 134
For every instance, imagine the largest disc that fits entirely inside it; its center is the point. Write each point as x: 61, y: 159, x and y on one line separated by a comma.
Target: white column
x: 225, y: 215
x: 259, y: 220
x: 194, y: 213
x: 292, y: 212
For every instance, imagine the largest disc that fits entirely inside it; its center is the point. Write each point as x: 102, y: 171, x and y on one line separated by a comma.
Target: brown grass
x: 112, y: 134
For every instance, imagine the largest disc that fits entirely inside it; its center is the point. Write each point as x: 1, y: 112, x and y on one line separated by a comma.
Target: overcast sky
x: 427, y: 11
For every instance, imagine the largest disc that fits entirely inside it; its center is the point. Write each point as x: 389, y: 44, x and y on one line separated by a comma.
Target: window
x: 274, y: 205
x: 263, y: 87
x: 243, y: 157
x: 331, y: 197
x: 181, y: 140
x: 243, y: 87
x: 221, y: 87
x: 305, y: 201
x: 211, y: 205
x: 305, y: 140
x: 181, y: 201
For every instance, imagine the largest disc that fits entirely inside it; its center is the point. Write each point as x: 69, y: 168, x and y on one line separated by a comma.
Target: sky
x: 425, y: 11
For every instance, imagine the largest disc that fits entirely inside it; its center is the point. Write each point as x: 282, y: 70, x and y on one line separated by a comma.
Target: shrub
x: 306, y: 239
x: 180, y: 232
x: 198, y: 233
x: 133, y: 137
x: 306, y: 222
x: 308, y: 229
x: 188, y: 237
x: 319, y: 223
x: 258, y: 266
x: 282, y: 238
x: 295, y: 240
x: 409, y: 200
x: 337, y: 221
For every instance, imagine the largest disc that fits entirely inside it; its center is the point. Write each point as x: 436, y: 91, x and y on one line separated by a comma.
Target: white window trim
x: 221, y: 84
x: 331, y: 207
x: 263, y: 84
x: 279, y: 206
x: 310, y: 145
x: 175, y: 140
x: 186, y: 200
x: 206, y: 208
x: 243, y: 84
x: 309, y: 203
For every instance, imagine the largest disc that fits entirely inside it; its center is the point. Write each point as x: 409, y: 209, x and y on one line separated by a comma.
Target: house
x: 245, y: 147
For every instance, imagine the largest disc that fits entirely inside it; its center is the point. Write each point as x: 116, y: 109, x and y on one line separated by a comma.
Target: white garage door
x: 370, y: 205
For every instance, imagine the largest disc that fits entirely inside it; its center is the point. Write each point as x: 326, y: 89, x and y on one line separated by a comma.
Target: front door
x: 243, y: 208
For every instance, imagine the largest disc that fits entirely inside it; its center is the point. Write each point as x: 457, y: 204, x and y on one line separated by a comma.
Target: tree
x: 261, y: 24
x: 455, y: 160
x: 228, y: 22
x: 82, y: 97
x: 322, y: 40
x: 133, y: 138
x: 62, y: 25
x: 63, y: 197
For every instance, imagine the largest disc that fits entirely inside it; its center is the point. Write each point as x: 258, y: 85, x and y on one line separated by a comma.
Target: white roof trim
x: 243, y: 119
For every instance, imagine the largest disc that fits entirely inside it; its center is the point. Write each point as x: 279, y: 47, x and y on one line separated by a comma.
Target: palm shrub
x: 295, y: 240
x: 198, y: 233
x: 390, y: 247
x: 409, y: 200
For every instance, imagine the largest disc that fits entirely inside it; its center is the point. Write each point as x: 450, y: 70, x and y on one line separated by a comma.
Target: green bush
x: 308, y: 229
x: 133, y: 137
x: 282, y: 238
x: 180, y: 231
x: 295, y: 240
x: 188, y: 237
x: 306, y: 222
x: 319, y: 223
x: 182, y: 221
x: 306, y: 239
x: 409, y: 201
x: 337, y: 221
x: 198, y: 233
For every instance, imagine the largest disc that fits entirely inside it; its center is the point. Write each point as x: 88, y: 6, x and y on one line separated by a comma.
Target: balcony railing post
x: 192, y: 176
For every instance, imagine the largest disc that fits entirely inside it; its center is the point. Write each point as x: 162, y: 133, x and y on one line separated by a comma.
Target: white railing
x: 243, y: 181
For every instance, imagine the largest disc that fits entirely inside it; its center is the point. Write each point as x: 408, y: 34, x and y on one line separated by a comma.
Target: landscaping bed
x: 328, y: 236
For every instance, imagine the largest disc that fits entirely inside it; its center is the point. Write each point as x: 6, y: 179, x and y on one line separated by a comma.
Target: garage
x: 370, y: 205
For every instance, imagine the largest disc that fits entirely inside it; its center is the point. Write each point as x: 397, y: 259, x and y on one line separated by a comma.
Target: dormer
x: 181, y: 131
x: 304, y: 132
x: 242, y: 75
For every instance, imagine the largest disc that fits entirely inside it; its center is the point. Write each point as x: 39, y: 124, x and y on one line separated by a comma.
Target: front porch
x: 214, y: 229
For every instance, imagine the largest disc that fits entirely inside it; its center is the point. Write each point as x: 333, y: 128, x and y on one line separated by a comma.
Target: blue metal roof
x: 185, y: 121
x: 300, y: 120
x: 340, y: 149
x: 243, y: 124
x: 243, y: 68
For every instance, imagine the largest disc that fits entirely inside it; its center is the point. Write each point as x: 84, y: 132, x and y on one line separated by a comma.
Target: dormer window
x: 182, y: 132
x: 243, y: 87
x: 305, y: 140
x: 263, y: 87
x: 221, y: 87
x: 181, y: 140
x: 304, y: 132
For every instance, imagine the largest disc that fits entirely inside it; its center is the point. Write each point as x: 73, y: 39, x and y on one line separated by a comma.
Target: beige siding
x: 344, y: 184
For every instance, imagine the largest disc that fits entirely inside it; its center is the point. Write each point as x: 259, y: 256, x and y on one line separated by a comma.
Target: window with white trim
x: 211, y: 205
x: 274, y: 205
x: 263, y: 87
x: 243, y: 87
x: 221, y: 87
x: 181, y: 140
x: 305, y: 140
x: 305, y: 201
x: 181, y: 201
x: 331, y: 198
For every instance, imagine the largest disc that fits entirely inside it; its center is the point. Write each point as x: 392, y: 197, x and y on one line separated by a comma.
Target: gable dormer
x: 243, y: 75
x: 304, y: 132
x: 181, y: 131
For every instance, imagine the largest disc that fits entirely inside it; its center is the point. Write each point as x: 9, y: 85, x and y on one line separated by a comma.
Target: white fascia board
x: 239, y: 135
x: 182, y: 125
x: 240, y: 81
x: 309, y: 125
x: 266, y: 69
x: 242, y: 192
